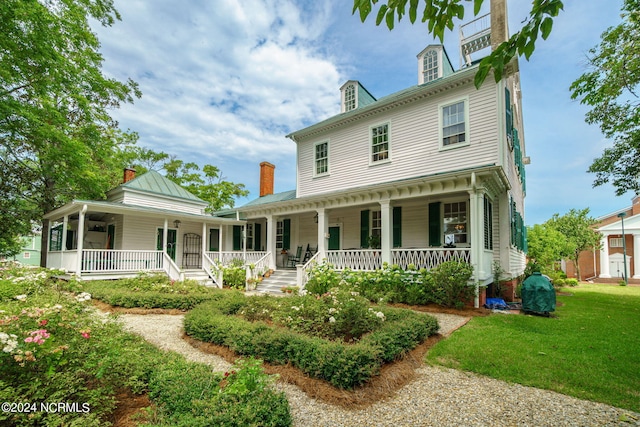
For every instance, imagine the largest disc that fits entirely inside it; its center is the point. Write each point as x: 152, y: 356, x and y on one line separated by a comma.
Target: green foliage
x: 440, y: 16
x: 610, y: 88
x: 594, y: 330
x: 343, y: 365
x: 577, y: 228
x: 451, y: 279
x: 571, y: 282
x: 547, y: 245
x: 147, y: 291
x: 322, y: 278
x: 235, y: 274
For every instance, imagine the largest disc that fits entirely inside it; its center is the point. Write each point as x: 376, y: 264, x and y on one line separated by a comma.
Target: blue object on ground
x: 496, y: 304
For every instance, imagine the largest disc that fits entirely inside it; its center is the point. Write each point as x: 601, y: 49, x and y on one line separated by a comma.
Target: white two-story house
x: 431, y: 173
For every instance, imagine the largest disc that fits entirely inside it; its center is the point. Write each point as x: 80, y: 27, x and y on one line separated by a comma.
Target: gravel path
x: 438, y: 396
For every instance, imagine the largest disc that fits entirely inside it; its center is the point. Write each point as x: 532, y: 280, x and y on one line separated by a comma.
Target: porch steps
x: 277, y: 280
x: 199, y: 276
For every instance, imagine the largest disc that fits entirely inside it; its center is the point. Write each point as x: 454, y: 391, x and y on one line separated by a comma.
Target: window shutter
x: 364, y: 228
x: 434, y: 224
x: 214, y: 240
x: 257, y: 237
x: 509, y: 113
x: 286, y: 233
x: 237, y: 237
x: 397, y: 226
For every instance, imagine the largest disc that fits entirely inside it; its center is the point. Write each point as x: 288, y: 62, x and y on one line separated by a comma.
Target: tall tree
x: 546, y: 246
x: 578, y: 229
x: 439, y: 15
x: 611, y: 88
x: 58, y: 139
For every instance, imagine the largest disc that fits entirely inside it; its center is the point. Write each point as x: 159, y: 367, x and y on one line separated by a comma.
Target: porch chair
x: 293, y: 260
x: 307, y: 254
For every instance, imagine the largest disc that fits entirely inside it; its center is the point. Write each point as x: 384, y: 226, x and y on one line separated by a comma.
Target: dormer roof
x: 353, y: 95
x: 433, y: 63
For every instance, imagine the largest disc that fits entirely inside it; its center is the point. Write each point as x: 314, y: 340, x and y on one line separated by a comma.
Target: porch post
x: 271, y: 241
x: 165, y: 235
x: 386, y: 238
x: 323, y: 230
x: 636, y: 256
x: 604, y: 257
x: 81, y: 215
x: 204, y: 242
x: 225, y: 227
x: 65, y: 226
x: 476, y: 234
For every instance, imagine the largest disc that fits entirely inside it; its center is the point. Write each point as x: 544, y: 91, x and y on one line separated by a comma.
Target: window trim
x: 441, y: 107
x: 315, y: 160
x: 433, y: 56
x: 617, y: 240
x: 347, y: 101
x: 466, y: 232
x: 371, y: 153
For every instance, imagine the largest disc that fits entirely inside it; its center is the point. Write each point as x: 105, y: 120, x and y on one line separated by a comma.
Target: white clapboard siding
x: 414, y: 144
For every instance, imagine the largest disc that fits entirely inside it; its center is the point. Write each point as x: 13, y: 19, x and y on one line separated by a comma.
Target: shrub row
x: 343, y: 365
x: 447, y: 284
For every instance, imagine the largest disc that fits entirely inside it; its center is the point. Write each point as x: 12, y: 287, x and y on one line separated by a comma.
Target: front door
x: 192, y: 251
x: 334, y: 238
x: 172, y: 238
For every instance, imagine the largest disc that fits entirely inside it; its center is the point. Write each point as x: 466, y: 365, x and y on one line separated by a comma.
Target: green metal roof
x: 272, y: 198
x: 153, y: 182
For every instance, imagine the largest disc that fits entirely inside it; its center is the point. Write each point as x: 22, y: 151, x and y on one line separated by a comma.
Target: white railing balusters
x: 103, y: 260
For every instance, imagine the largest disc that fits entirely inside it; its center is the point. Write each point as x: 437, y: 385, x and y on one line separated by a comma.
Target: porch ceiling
x: 490, y: 179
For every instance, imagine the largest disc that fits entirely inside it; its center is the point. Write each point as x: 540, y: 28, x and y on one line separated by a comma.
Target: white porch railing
x: 171, y: 268
x: 302, y: 273
x: 355, y: 259
x: 68, y: 260
x: 212, y: 270
x: 102, y: 260
x: 226, y: 257
x: 429, y: 257
x: 257, y: 268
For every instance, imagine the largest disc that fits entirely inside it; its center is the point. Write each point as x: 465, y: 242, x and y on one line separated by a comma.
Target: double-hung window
x: 321, y: 157
x: 454, y: 124
x: 380, y: 143
x: 350, y: 98
x: 430, y: 66
x: 455, y: 223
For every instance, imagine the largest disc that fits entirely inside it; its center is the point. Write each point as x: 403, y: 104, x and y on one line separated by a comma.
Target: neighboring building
x: 431, y: 173
x: 607, y: 264
x: 148, y: 223
x: 30, y: 252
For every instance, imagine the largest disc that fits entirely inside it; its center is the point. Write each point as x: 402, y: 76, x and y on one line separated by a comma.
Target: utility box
x: 538, y: 294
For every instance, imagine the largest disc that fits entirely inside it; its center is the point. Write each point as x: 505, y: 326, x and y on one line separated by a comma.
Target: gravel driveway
x: 437, y: 397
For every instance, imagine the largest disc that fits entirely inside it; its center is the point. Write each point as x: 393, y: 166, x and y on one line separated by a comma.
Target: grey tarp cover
x: 538, y: 294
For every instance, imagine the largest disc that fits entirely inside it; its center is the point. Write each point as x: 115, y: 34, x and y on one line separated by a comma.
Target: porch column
x: 604, y: 257
x: 225, y: 228
x: 65, y: 226
x: 165, y: 235
x: 323, y: 231
x: 204, y: 240
x: 271, y: 241
x: 476, y: 234
x: 386, y: 238
x: 636, y: 256
x: 81, y: 215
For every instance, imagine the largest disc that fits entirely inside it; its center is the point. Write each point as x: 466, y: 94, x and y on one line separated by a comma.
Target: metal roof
x: 153, y: 182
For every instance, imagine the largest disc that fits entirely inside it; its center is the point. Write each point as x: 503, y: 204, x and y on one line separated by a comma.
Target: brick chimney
x: 266, y: 178
x: 129, y: 174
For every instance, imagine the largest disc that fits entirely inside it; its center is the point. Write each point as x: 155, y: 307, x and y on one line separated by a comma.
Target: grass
x: 590, y: 350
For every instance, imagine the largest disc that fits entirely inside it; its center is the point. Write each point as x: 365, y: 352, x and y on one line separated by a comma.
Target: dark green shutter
x: 237, y: 237
x: 434, y: 224
x: 214, y: 242
x: 364, y: 228
x: 397, y: 226
x: 257, y: 237
x: 286, y: 234
x: 509, y: 113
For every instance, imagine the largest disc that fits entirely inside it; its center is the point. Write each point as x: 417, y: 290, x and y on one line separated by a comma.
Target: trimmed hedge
x: 343, y: 365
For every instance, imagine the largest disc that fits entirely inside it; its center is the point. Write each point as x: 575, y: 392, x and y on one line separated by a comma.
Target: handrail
x: 172, y: 269
x: 302, y: 273
x: 212, y: 269
x: 261, y: 265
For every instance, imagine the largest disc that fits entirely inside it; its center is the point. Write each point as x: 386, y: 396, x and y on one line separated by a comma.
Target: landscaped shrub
x: 572, y: 281
x: 234, y: 274
x: 451, y: 283
x: 322, y: 278
x: 147, y: 291
x: 343, y: 365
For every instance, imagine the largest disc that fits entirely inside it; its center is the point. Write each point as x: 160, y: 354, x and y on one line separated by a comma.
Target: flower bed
x: 337, y: 337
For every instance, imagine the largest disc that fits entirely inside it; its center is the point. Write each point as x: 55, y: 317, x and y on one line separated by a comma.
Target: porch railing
x: 428, y: 258
x: 171, y: 268
x: 212, y: 269
x: 302, y: 273
x: 101, y: 260
x: 356, y: 259
x: 226, y: 257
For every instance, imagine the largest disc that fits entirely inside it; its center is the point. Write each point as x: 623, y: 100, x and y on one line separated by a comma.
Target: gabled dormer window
x: 350, y: 97
x: 430, y: 66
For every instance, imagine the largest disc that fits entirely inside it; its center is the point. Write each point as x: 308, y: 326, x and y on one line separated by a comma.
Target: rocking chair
x: 293, y: 260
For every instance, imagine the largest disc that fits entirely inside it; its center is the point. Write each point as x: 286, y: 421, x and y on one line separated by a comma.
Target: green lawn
x: 590, y: 350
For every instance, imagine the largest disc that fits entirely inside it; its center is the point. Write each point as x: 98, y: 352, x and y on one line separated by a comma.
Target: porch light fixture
x: 621, y: 215
x: 176, y: 223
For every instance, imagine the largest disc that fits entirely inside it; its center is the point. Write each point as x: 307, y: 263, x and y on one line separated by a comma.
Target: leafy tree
x: 611, y: 87
x: 577, y: 227
x: 440, y: 15
x: 58, y: 141
x: 546, y: 246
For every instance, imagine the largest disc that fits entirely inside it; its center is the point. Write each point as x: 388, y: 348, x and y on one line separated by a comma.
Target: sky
x: 225, y: 81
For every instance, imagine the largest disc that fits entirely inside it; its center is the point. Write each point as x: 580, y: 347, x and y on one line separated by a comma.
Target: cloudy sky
x: 224, y: 81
